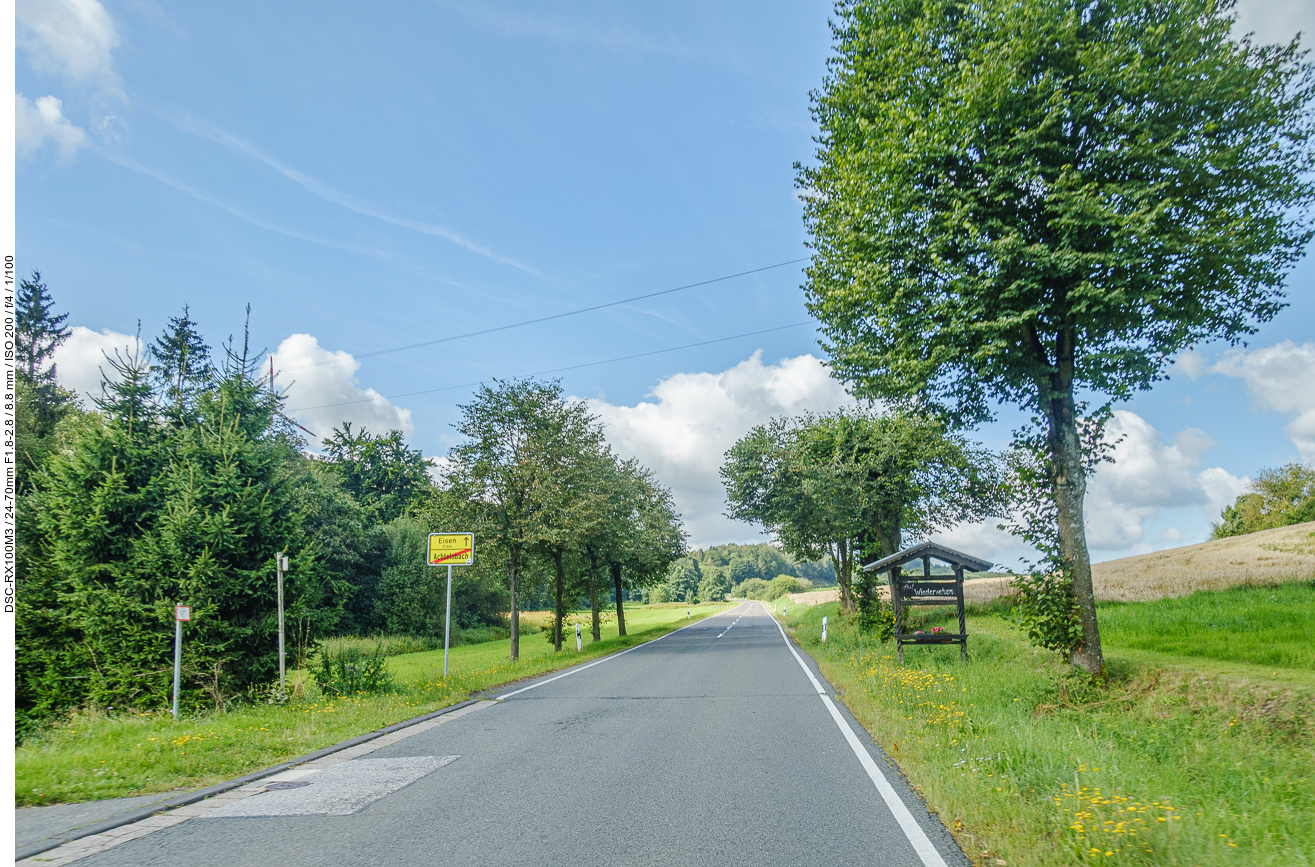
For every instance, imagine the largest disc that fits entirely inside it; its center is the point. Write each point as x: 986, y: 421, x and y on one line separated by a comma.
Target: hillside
x: 1267, y: 557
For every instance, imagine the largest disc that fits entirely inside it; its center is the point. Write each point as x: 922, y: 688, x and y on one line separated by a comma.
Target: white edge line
x: 606, y: 658
x: 912, y: 830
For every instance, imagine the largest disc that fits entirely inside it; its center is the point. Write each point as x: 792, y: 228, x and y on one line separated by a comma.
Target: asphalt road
x: 710, y: 746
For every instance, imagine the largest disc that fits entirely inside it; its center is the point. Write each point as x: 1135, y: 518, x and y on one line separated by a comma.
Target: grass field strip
x: 607, y: 658
x: 76, y: 850
x: 912, y: 830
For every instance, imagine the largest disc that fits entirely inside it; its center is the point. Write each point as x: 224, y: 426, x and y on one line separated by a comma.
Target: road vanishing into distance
x: 717, y: 744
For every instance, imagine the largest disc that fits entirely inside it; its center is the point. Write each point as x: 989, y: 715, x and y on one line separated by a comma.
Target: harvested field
x: 1267, y: 557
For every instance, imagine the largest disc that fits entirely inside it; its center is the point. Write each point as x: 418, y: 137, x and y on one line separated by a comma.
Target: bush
x: 1047, y: 611
x: 348, y: 671
x: 755, y: 588
x: 785, y: 584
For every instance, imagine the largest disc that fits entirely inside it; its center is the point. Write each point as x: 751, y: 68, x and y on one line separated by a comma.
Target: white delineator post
x: 181, y: 613
x: 447, y: 622
x: 579, y: 645
x: 824, y: 630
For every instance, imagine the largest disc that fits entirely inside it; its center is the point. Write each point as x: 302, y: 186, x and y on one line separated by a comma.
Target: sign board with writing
x: 451, y: 549
x: 182, y: 612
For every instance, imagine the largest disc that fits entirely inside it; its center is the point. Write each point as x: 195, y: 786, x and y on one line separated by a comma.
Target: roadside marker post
x: 824, y: 630
x: 579, y: 645
x: 181, y: 613
x: 280, y: 566
x: 451, y: 549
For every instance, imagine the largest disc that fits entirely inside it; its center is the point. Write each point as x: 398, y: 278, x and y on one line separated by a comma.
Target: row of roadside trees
x: 183, y: 478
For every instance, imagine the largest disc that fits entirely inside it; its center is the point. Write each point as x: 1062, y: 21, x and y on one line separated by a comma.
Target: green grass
x: 1034, y: 765
x: 1270, y: 626
x: 90, y: 755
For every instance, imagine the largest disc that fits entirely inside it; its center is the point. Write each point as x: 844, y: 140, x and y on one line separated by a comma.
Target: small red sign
x: 182, y: 612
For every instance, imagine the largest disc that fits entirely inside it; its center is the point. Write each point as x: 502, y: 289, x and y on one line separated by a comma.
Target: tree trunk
x: 1068, y: 477
x: 559, y: 614
x: 839, y: 551
x: 620, y: 610
x: 515, y: 611
x: 593, y: 595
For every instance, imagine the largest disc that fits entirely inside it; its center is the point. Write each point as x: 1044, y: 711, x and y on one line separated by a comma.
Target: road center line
x: 912, y: 830
x: 604, y: 659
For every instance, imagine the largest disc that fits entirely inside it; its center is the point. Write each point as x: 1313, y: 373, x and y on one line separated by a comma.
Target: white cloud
x: 71, y: 38
x: 35, y: 123
x: 1279, y: 378
x: 1147, y: 475
x: 684, y: 433
x: 80, y: 359
x: 323, y: 395
x: 1276, y: 20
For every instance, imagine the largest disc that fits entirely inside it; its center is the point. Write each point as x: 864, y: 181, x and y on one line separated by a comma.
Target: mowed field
x: 1268, y: 557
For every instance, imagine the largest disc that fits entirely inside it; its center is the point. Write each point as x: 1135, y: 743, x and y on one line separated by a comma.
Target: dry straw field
x: 1267, y: 557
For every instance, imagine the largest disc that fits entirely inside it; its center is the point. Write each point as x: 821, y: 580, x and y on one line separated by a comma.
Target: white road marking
x: 912, y: 830
x: 604, y: 659
x: 341, y: 790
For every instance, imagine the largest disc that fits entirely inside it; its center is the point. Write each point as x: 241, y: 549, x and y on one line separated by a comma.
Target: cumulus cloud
x: 684, y: 432
x: 74, y: 39
x: 80, y: 359
x: 1148, y: 474
x: 1278, y: 378
x: 1276, y: 20
x: 323, y: 395
x: 36, y: 123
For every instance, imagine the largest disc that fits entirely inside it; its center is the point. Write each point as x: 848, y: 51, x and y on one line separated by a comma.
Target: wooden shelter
x: 928, y: 589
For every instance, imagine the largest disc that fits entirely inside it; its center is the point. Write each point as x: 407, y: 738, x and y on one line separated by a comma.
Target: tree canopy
x: 1031, y: 201
x: 852, y: 484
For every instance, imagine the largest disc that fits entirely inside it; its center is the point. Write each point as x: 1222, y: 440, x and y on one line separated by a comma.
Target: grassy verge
x: 91, y: 756
x: 1192, y: 764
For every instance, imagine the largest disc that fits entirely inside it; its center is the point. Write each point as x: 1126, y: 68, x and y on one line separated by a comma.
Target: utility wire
x: 547, y: 318
x: 555, y: 369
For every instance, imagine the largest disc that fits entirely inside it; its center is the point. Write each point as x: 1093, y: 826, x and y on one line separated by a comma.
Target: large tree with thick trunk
x: 1040, y: 202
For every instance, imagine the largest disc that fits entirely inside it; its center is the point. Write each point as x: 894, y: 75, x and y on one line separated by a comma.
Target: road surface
x: 717, y: 744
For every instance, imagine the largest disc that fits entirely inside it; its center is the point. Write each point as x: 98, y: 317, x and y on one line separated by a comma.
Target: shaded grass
x: 1030, y: 763
x: 92, y: 755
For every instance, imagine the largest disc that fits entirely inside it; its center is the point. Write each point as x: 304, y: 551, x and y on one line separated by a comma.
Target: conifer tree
x: 38, y: 333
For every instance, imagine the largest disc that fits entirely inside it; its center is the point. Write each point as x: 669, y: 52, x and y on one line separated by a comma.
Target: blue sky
x: 373, y: 176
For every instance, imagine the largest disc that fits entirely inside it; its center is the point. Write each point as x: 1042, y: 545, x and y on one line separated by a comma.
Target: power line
x: 555, y: 369
x: 547, y: 318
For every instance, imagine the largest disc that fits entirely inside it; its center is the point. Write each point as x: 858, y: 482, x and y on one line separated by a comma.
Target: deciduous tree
x: 1033, y: 201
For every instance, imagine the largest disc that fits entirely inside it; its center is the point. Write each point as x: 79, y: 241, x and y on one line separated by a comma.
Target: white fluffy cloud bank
x: 73, y: 39
x: 80, y: 359
x: 323, y: 392
x: 40, y: 121
x: 684, y: 432
x: 1279, y: 379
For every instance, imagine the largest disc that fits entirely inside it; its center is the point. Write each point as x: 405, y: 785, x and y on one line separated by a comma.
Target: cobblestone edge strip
x: 188, y: 798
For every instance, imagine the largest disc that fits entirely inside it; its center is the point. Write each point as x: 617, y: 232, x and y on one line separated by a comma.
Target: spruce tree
x: 181, y: 366
x: 37, y: 331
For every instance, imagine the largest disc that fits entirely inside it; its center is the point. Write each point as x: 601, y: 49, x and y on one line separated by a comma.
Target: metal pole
x: 447, y: 621
x: 279, y: 569
x: 178, y: 658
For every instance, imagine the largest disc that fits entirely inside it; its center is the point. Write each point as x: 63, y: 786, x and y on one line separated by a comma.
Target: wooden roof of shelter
x: 930, y: 549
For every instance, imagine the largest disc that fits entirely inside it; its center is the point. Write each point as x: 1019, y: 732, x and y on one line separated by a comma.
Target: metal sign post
x: 181, y: 613
x: 281, y: 566
x: 450, y: 549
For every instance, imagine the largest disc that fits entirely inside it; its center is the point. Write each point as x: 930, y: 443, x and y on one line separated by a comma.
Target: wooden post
x: 963, y: 625
x: 895, y: 582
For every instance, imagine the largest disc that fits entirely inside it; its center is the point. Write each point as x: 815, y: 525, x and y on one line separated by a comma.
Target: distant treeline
x: 710, y: 574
